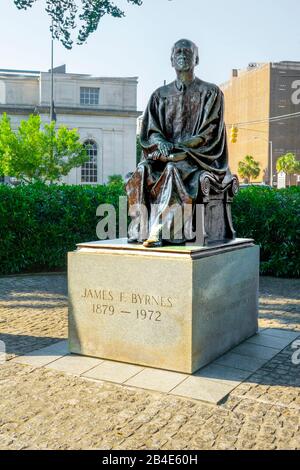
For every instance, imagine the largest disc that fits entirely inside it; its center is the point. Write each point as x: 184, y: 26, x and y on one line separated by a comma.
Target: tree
x: 34, y: 154
x: 249, y: 169
x: 67, y: 15
x: 288, y: 164
x: 115, y: 179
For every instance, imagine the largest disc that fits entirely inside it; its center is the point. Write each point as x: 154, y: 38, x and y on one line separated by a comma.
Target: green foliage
x: 39, y: 223
x: 249, y: 169
x: 117, y: 184
x: 288, y: 164
x: 34, y: 154
x: 67, y: 15
x: 115, y: 179
x: 272, y: 219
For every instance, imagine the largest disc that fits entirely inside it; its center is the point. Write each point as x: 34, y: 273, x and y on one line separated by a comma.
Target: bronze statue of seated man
x: 184, y: 161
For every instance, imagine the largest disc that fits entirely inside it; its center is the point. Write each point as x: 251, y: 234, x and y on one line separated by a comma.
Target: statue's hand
x: 165, y: 148
x: 158, y: 156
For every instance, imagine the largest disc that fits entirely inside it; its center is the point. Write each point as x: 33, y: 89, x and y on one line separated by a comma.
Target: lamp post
x: 52, y: 112
x: 271, y: 163
x: 271, y: 158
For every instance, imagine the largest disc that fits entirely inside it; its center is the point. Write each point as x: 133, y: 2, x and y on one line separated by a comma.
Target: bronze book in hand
x: 176, y: 157
x: 173, y: 157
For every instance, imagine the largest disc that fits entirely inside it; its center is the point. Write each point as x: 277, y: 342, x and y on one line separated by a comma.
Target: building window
x: 89, y: 96
x: 89, y: 169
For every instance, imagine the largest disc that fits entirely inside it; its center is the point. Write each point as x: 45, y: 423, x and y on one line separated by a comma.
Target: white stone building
x: 103, y: 109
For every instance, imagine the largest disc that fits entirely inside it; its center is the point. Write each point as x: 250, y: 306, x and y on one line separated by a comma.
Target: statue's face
x: 184, y: 56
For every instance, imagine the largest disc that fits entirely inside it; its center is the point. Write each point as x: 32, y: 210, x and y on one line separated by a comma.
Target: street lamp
x: 271, y: 158
x: 52, y: 111
x: 271, y: 163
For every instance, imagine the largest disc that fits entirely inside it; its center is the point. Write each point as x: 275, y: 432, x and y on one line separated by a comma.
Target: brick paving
x: 42, y: 408
x: 33, y: 312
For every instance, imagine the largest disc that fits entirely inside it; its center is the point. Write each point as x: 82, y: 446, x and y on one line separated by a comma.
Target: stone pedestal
x: 175, y: 308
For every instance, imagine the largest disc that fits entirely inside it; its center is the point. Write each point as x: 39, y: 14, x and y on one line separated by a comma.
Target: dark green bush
x: 39, y: 224
x: 272, y: 219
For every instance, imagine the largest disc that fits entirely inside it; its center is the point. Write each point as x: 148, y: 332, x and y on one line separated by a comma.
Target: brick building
x: 253, y: 98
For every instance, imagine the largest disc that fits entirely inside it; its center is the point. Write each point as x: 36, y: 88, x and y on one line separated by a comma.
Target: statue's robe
x: 192, y: 118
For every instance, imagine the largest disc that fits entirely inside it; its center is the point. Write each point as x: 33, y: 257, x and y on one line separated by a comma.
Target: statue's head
x: 185, y: 55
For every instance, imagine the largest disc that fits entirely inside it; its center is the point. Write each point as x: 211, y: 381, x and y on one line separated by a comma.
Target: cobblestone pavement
x: 33, y: 312
x: 41, y: 408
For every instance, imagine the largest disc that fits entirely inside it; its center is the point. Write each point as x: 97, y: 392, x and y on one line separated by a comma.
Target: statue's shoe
x: 152, y: 243
x: 155, y: 239
x: 132, y: 240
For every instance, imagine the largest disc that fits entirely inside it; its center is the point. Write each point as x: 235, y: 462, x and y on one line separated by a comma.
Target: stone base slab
x: 211, y: 384
x: 174, y: 308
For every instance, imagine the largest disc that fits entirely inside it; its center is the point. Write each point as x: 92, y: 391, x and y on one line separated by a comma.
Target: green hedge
x: 272, y: 219
x: 40, y: 224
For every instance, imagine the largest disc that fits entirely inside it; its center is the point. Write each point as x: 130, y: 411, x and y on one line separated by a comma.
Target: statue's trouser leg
x: 168, y: 213
x: 135, y: 187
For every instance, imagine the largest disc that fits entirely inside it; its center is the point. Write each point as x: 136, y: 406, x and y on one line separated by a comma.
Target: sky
x: 229, y: 33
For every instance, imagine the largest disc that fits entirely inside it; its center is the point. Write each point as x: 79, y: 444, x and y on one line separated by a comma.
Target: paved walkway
x: 43, y: 408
